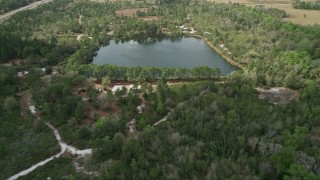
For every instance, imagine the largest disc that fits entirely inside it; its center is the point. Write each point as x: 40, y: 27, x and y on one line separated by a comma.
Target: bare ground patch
x: 149, y: 18
x: 27, y: 104
x: 91, y: 112
x: 278, y: 95
x: 12, y: 62
x: 133, y: 13
x: 130, y: 12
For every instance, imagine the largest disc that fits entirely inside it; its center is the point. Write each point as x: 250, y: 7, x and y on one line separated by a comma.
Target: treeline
x: 147, y: 73
x: 133, y: 27
x: 82, y: 59
x: 277, y: 13
x: 292, y: 68
x: 314, y: 5
x: 8, y: 5
x: 31, y: 51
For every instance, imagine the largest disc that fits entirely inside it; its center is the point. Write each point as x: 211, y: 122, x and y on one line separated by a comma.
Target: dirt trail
x: 165, y: 118
x: 64, y: 147
x: 79, y: 36
x: 27, y: 103
x: 30, y: 6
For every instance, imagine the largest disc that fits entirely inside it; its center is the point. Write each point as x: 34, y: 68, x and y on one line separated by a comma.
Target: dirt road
x: 64, y: 147
x: 30, y: 6
x: 178, y: 105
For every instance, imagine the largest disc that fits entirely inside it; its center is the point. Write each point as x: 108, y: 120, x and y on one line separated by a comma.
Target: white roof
x: 137, y: 87
x: 32, y: 109
x: 117, y: 87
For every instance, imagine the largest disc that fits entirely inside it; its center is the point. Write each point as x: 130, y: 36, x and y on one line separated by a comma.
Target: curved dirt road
x: 30, y: 6
x: 64, y: 147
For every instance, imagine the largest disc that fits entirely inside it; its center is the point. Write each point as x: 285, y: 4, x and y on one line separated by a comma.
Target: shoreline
x: 210, y: 44
x: 218, y: 51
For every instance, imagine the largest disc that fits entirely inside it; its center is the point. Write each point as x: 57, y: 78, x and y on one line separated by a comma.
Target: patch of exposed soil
x: 278, y: 95
x: 149, y: 18
x: 11, y: 62
x: 133, y: 12
x: 91, y: 111
x: 27, y: 104
x: 130, y: 12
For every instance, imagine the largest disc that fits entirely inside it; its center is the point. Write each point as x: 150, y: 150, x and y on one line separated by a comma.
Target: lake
x: 182, y: 52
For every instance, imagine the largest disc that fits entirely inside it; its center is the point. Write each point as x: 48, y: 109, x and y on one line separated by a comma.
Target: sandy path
x: 178, y: 105
x: 163, y: 119
x: 26, y: 103
x: 79, y: 36
x: 64, y: 147
x: 30, y: 6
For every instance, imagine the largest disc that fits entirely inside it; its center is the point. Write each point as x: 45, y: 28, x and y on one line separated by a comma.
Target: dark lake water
x: 184, y: 52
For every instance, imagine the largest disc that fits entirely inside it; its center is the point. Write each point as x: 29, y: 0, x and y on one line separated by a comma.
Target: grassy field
x: 295, y: 15
x: 132, y: 13
x: 132, y: 1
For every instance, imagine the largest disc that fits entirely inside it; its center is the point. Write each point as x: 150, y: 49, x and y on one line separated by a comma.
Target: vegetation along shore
x: 219, y: 51
x: 262, y: 121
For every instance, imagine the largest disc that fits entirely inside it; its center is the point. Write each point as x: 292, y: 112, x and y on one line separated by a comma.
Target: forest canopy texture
x: 174, y: 123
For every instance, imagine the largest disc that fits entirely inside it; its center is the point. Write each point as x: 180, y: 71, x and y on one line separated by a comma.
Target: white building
x: 120, y: 87
x: 117, y: 87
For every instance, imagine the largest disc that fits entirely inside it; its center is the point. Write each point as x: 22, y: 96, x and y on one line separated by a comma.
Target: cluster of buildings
x: 187, y: 30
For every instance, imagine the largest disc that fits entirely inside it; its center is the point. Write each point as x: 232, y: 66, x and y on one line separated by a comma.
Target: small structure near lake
x: 128, y: 87
x: 187, y: 30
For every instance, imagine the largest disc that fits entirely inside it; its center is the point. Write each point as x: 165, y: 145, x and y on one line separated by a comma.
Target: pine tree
x: 79, y: 110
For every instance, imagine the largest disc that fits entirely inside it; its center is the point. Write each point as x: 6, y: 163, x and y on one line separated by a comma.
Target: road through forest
x: 30, y: 6
x: 64, y: 147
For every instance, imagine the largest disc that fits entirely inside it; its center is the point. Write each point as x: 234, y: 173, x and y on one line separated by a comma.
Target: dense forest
x: 174, y: 123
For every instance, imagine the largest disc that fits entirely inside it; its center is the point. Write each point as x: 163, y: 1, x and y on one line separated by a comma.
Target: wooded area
x: 211, y: 128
